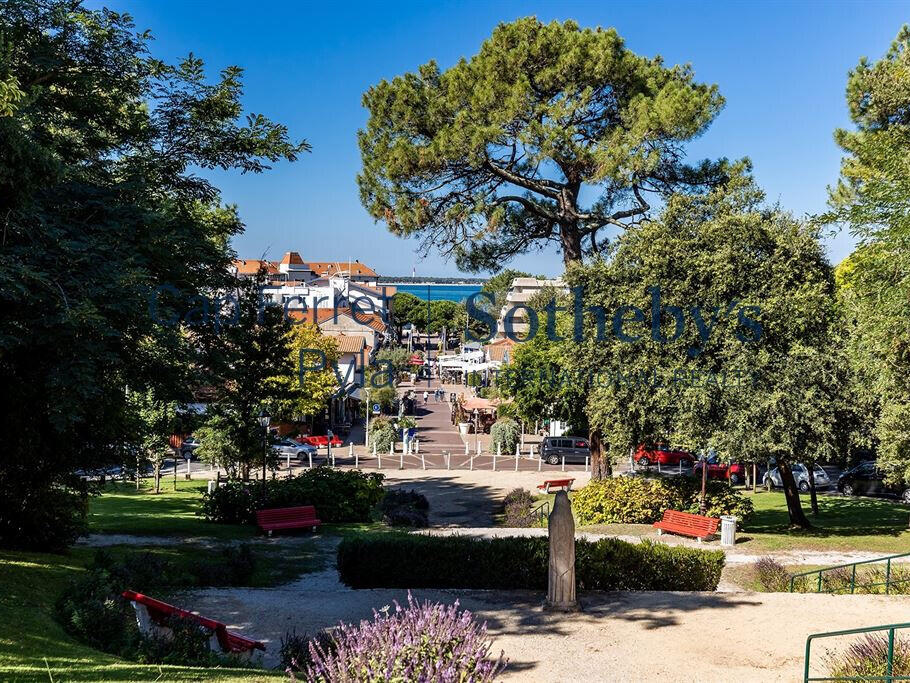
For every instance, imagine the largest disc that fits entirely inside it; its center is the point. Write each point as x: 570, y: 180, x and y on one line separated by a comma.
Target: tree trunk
x: 791, y: 493
x: 601, y: 467
x: 570, y: 241
x: 157, y: 476
x: 813, y: 496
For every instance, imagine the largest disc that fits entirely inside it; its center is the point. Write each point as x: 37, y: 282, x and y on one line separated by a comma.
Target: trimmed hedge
x: 338, y: 495
x: 642, y: 500
x: 419, y: 561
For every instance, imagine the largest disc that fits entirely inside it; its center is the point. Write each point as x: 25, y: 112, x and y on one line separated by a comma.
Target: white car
x: 800, y: 475
x: 293, y: 448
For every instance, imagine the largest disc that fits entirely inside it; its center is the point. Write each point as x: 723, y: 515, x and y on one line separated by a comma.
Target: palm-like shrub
x: 420, y: 642
x: 506, y: 433
x: 382, y: 434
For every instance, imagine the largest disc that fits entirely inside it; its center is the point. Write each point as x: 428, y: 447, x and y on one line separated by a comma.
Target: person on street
x: 426, y: 397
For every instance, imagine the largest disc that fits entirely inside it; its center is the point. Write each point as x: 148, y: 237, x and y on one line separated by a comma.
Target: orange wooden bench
x: 556, y: 484
x: 687, y: 524
x: 151, y: 612
x: 276, y: 519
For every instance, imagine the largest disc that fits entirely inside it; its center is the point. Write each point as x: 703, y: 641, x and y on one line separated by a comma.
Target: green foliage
x: 401, y: 507
x: 310, y: 389
x: 505, y: 433
x: 382, y: 434
x: 873, y: 198
x: 490, y: 158
x: 103, y: 203
x: 416, y: 561
x: 49, y: 518
x: 516, y: 508
x: 867, y: 659
x: 772, y: 576
x: 769, y: 387
x: 338, y: 496
x: 642, y: 500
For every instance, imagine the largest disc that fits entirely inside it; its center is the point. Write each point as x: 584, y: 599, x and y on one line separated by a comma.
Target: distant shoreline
x: 431, y: 281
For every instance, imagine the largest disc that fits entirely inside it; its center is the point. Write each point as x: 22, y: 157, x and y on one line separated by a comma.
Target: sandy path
x: 619, y: 636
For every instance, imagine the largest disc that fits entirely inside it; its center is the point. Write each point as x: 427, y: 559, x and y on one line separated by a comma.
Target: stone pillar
x: 561, y: 579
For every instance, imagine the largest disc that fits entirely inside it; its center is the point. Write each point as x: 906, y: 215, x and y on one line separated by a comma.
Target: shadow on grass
x: 837, y: 516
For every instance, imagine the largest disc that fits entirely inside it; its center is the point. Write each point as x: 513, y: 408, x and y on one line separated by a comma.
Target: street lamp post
x: 264, y: 420
x: 703, y: 507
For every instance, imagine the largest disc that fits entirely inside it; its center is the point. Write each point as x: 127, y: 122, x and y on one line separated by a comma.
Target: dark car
x: 868, y: 480
x: 572, y: 448
x: 188, y: 447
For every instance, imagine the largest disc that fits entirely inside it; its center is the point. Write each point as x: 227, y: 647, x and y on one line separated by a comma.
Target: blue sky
x: 780, y: 65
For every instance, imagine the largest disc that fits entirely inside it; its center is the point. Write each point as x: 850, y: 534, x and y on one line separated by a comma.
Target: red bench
x: 556, y: 484
x: 687, y: 524
x: 303, y: 517
x: 151, y: 612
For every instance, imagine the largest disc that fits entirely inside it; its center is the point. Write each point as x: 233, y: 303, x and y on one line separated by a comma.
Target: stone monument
x: 561, y: 580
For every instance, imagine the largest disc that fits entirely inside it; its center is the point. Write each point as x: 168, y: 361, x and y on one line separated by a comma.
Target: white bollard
x: 423, y: 462
x: 356, y: 461
x: 586, y: 463
x: 563, y: 463
x: 417, y: 445
x: 333, y: 458
x: 498, y: 446
x: 658, y: 466
x: 466, y: 449
x: 517, y: 450
x: 516, y: 462
x: 378, y: 458
x: 288, y: 462
x: 401, y: 460
x: 478, y: 447
x: 309, y: 455
x: 539, y: 464
x: 448, y: 460
x: 350, y: 449
x: 472, y: 463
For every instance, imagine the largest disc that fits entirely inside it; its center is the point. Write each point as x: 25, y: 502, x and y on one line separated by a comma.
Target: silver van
x: 573, y: 448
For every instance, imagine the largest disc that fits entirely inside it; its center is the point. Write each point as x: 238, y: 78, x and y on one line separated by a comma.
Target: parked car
x: 294, y: 448
x: 867, y: 480
x: 662, y: 453
x: 188, y: 447
x: 800, y: 475
x: 573, y: 448
x: 735, y: 472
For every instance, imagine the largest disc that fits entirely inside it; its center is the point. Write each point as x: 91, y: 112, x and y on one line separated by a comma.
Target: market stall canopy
x: 477, y: 403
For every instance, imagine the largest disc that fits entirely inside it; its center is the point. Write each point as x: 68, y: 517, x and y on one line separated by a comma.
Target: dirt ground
x: 647, y: 636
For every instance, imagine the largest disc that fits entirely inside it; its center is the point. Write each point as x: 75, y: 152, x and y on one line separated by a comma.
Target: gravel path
x: 662, y: 636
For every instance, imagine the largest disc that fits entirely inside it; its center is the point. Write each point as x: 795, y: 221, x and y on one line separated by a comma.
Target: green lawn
x: 120, y: 509
x: 29, y: 635
x: 842, y: 524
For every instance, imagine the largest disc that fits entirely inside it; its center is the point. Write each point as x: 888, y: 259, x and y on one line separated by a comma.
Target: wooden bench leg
x: 660, y: 532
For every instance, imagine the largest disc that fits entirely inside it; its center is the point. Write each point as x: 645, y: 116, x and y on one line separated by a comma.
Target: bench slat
x: 688, y: 524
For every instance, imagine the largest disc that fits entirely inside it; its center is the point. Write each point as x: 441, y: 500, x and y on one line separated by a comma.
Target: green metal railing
x: 887, y: 583
x: 889, y: 669
x: 542, y: 511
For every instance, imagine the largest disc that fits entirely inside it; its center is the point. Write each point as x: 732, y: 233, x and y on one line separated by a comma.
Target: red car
x: 321, y: 440
x: 663, y: 454
x: 735, y: 471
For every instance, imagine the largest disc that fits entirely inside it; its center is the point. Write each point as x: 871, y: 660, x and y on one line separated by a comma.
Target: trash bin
x: 727, y: 530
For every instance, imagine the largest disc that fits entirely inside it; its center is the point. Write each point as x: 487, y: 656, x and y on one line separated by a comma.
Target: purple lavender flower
x: 421, y: 642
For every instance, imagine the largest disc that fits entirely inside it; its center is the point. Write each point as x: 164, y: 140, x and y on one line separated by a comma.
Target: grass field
x: 842, y: 524
x: 33, y: 646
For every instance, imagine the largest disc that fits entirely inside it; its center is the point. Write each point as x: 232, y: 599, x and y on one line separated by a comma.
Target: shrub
x: 92, y: 610
x: 420, y: 642
x: 506, y: 432
x: 187, y: 644
x: 382, y: 435
x: 338, y: 495
x: 294, y: 653
x: 771, y: 575
x: 418, y: 561
x: 404, y: 508
x: 48, y: 519
x: 867, y: 658
x: 641, y: 500
x: 517, y: 507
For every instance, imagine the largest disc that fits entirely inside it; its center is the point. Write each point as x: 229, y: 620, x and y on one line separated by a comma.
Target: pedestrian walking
x: 426, y: 397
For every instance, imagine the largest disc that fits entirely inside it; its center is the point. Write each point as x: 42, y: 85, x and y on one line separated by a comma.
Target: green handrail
x: 889, y: 675
x: 887, y: 583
